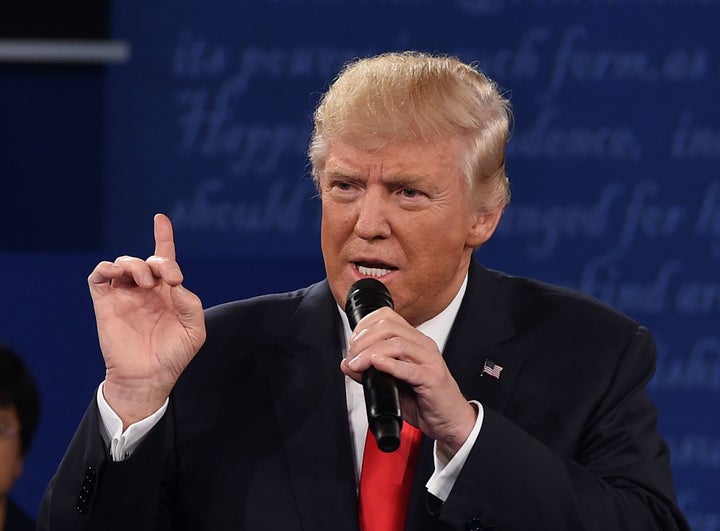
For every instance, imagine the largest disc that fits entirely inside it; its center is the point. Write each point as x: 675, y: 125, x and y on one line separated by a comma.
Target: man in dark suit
x: 530, y: 399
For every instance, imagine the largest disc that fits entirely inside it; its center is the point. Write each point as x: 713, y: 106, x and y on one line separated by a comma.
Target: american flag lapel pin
x: 491, y: 368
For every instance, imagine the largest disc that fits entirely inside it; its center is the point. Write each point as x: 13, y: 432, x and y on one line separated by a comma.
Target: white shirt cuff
x: 122, y: 444
x: 446, y: 472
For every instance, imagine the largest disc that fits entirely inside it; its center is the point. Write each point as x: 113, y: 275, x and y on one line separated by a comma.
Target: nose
x: 372, y: 219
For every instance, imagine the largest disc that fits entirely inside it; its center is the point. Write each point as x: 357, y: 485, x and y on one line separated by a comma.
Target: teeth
x: 373, y: 271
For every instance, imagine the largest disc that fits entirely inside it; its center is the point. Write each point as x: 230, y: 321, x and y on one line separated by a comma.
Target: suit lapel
x: 482, y: 331
x: 310, y: 404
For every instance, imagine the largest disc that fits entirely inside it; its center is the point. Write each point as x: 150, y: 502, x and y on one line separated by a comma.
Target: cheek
x: 433, y: 244
x: 336, y: 227
x: 331, y: 244
x: 328, y: 243
x: 326, y: 220
x: 10, y: 468
x: 435, y: 258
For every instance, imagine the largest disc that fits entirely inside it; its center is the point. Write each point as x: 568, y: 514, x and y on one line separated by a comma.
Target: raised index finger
x: 164, y: 243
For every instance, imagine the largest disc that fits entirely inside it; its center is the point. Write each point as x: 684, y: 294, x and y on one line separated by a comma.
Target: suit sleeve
x: 617, y: 475
x: 91, y: 492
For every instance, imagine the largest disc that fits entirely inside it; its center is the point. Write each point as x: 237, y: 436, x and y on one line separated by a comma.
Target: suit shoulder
x: 565, y: 327
x: 529, y: 298
x: 266, y: 318
x: 279, y: 306
x: 250, y: 328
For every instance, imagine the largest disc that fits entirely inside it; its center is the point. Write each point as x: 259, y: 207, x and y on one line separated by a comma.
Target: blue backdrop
x: 614, y: 164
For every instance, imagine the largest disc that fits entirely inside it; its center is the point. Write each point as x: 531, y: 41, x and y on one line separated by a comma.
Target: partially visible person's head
x: 19, y: 415
x: 411, y: 97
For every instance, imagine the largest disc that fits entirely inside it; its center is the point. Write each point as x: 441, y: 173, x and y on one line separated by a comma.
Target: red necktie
x: 385, y: 481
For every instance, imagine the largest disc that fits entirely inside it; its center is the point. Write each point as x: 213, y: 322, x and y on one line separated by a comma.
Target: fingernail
x: 356, y: 335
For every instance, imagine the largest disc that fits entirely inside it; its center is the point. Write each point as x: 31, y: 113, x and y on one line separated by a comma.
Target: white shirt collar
x: 438, y: 328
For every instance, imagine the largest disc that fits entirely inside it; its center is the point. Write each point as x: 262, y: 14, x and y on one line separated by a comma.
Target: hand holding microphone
x: 382, y: 398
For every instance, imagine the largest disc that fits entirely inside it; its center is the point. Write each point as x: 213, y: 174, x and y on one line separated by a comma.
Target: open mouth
x: 373, y: 269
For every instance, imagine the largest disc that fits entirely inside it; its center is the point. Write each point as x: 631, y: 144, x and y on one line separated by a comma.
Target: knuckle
x: 125, y: 260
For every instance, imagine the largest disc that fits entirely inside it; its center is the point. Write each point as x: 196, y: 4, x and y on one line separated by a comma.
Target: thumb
x: 187, y: 305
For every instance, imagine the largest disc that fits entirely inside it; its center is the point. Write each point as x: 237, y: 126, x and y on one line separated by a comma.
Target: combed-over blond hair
x: 416, y: 97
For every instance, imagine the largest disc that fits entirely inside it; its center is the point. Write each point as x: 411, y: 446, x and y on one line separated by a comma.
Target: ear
x: 483, y: 226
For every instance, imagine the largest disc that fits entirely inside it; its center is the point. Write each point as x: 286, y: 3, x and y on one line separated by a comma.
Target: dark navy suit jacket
x: 256, y: 435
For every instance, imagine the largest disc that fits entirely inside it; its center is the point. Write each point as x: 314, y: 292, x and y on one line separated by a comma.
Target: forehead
x: 407, y: 160
x: 8, y: 415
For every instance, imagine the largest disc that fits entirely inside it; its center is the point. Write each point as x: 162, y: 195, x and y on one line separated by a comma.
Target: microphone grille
x: 365, y: 296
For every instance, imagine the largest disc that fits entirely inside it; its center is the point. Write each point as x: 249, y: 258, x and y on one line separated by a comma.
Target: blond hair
x: 415, y: 97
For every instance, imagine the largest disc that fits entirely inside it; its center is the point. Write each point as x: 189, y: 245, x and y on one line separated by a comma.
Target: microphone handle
x: 382, y: 401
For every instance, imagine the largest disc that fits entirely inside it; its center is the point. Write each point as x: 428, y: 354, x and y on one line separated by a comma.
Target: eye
x: 339, y: 186
x: 342, y: 189
x: 410, y: 192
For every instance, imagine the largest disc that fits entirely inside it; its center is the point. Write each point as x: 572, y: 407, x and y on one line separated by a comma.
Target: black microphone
x: 382, y: 399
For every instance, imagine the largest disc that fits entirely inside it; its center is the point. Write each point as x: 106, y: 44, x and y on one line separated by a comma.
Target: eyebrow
x: 338, y: 174
x: 399, y: 178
